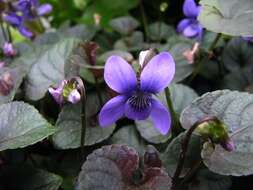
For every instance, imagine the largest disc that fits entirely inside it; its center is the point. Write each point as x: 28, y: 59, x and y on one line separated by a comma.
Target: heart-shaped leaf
x: 49, y: 68
x: 28, y: 178
x: 160, y: 30
x: 230, y: 17
x: 21, y: 125
x: 124, y: 25
x: 237, y: 54
x: 236, y: 111
x: 181, y: 96
x: 69, y: 125
x: 115, y: 167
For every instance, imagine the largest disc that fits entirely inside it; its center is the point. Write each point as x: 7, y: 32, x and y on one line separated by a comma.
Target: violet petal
x: 119, y: 75
x: 44, y: 9
x: 158, y: 73
x: 160, y: 117
x: 190, y: 8
x: 112, y: 111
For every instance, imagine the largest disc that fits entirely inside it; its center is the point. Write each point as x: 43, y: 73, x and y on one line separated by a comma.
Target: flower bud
x: 215, y: 130
x: 8, y: 49
x: 191, y: 54
x: 6, y: 84
x: 146, y: 56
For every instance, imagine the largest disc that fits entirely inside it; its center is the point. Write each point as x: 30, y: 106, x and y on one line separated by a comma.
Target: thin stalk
x: 176, y: 126
x: 81, y: 87
x: 100, y: 99
x: 9, y: 33
x: 206, y: 58
x: 190, y: 173
x: 182, y: 156
x: 144, y: 19
x: 3, y: 31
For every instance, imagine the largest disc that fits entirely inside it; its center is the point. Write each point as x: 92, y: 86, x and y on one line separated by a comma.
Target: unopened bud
x: 190, y: 54
x: 6, y: 84
x: 8, y: 49
x: 215, y: 130
x: 146, y: 56
x: 151, y: 157
x: 97, y: 18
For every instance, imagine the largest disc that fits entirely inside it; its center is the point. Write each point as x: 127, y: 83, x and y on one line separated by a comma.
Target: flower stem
x: 182, y: 156
x: 3, y: 32
x: 144, y: 20
x: 9, y: 33
x: 206, y: 58
x: 176, y: 126
x: 81, y: 87
x: 100, y: 99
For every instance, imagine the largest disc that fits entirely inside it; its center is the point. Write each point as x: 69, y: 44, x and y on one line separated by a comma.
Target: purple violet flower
x: 136, y: 96
x: 66, y: 91
x: 31, y: 9
x: 8, y: 49
x: 17, y: 22
x: 190, y: 26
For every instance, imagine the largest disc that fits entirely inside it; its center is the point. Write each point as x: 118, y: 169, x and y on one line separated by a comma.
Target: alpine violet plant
x: 136, y: 93
x: 190, y: 26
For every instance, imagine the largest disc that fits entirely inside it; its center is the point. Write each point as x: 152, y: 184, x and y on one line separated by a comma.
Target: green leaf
x: 49, y: 68
x: 231, y: 17
x: 28, y: 178
x: 69, y: 125
x: 237, y: 54
x: 21, y: 125
x: 115, y: 167
x: 182, y: 96
x: 134, y: 42
x: 129, y: 136
x: 124, y: 25
x: 159, y: 31
x: 81, y: 31
x: 236, y: 111
x: 171, y: 155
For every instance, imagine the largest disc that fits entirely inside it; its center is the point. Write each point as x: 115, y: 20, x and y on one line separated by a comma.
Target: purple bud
x: 228, y: 145
x: 8, y: 49
x: 6, y: 84
x: 74, y: 96
x: 44, y: 9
